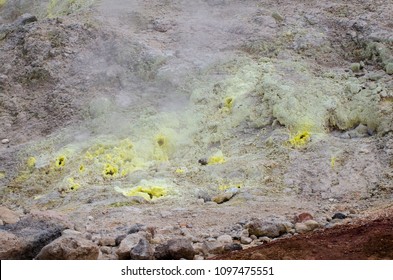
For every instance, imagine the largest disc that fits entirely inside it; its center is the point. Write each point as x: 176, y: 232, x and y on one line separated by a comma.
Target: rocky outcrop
x: 69, y: 248
x: 29, y: 235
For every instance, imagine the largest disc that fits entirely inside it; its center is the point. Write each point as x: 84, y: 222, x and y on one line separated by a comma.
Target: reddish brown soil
x: 365, y: 240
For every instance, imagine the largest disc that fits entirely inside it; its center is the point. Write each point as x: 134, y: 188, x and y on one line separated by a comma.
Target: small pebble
x: 5, y: 141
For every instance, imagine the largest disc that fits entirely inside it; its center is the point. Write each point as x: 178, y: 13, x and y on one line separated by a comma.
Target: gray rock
x: 120, y: 238
x: 232, y: 247
x: 129, y: 242
x: 180, y: 248
x: 237, y: 231
x: 175, y: 249
x: 136, y: 228
x: 8, y: 216
x: 389, y: 68
x: 204, y: 195
x: 213, y: 247
x: 25, y: 19
x: 245, y: 240
x: 5, y: 141
x: 187, y: 234
x: 225, y: 239
x: 71, y: 232
x: 162, y: 26
x: 106, y: 250
x: 339, y: 216
x: 142, y: 251
x: 270, y: 227
x: 69, y: 248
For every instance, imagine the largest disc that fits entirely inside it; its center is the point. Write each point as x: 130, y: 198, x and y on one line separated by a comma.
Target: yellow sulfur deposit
x: 110, y: 171
x: 148, y: 192
x: 72, y: 185
x: 226, y: 187
x: 217, y: 158
x: 60, y: 161
x: 179, y: 171
x: 228, y: 104
x: 332, y: 161
x: 161, y: 148
x: 31, y: 161
x: 114, y: 159
x: 300, y: 139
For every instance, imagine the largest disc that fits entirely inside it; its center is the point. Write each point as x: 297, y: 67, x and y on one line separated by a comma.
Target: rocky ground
x: 196, y: 129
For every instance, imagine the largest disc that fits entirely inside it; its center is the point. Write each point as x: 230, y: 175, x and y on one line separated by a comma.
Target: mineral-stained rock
x: 69, y: 248
x: 225, y: 196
